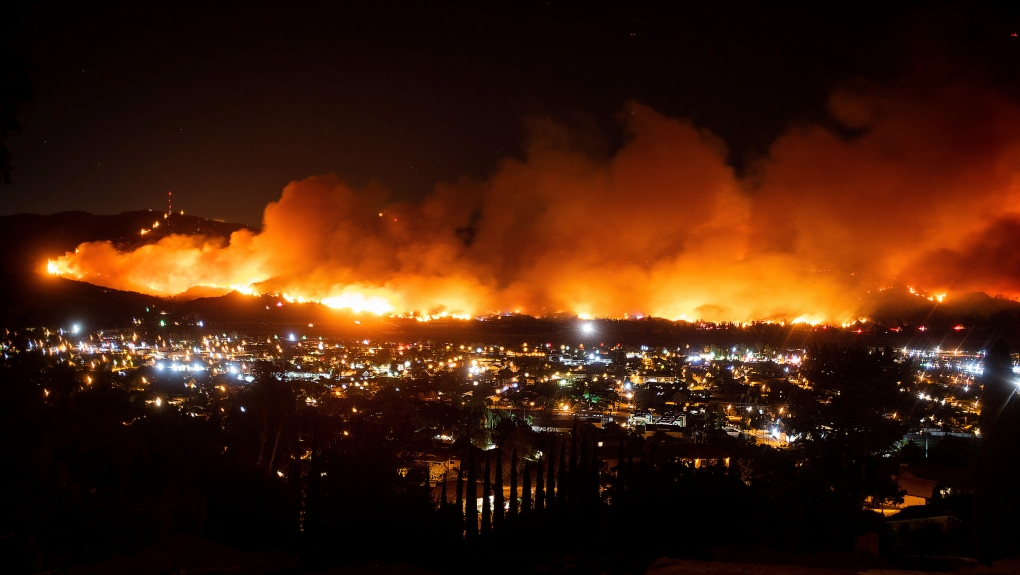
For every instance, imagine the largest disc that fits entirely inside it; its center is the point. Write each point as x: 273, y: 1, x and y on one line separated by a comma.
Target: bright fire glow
x: 663, y: 226
x: 359, y: 302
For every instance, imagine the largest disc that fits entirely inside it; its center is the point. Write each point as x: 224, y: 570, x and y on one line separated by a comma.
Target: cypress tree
x: 539, y: 489
x: 500, y: 504
x: 573, y: 489
x: 471, y: 523
x: 561, y: 494
x: 294, y: 479
x: 526, y: 492
x: 486, y: 494
x: 582, y: 483
x: 629, y: 474
x: 442, y: 493
x: 550, y: 485
x: 594, y: 481
x: 512, y: 515
x: 621, y: 475
x: 314, y: 488
x: 460, y: 490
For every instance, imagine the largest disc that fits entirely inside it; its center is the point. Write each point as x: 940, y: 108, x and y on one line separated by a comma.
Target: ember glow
x: 922, y: 195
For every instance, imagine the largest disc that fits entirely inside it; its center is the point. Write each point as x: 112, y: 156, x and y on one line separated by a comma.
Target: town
x: 315, y: 437
x: 689, y: 394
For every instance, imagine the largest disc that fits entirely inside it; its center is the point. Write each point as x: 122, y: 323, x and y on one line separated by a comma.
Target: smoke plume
x: 915, y: 182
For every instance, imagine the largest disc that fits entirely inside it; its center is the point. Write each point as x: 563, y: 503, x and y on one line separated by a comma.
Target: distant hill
x: 900, y: 309
x: 30, y: 297
x: 29, y: 239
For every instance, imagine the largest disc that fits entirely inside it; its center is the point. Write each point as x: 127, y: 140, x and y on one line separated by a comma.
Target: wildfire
x: 662, y: 228
x: 359, y: 302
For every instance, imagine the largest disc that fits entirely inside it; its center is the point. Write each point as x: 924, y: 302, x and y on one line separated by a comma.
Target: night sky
x: 226, y: 104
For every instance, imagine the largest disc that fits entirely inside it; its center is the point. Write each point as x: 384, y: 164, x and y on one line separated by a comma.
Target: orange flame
x: 662, y: 228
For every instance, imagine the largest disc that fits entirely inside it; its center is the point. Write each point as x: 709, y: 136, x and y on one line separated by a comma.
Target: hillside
x: 28, y: 296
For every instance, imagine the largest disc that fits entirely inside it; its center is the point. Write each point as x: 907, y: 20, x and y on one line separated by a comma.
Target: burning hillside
x: 924, y: 192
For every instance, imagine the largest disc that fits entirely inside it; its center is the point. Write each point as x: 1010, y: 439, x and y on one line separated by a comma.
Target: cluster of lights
x: 175, y: 366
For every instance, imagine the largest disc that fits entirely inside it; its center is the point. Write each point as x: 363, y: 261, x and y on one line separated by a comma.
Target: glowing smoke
x: 926, y: 192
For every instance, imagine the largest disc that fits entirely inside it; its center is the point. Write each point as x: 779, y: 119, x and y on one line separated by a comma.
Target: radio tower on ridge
x: 169, y: 206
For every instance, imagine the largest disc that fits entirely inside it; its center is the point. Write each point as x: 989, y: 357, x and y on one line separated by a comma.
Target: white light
x: 75, y: 328
x: 587, y: 327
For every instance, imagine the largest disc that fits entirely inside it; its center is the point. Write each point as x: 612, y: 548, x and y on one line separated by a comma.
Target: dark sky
x: 226, y: 104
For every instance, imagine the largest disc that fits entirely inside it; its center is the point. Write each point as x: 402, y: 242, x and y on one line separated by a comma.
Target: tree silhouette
x: 846, y: 425
x: 571, y: 484
x: 499, y: 502
x: 526, y: 493
x: 460, y: 493
x: 512, y: 512
x: 550, y: 483
x: 471, y: 521
x: 997, y: 477
x: 562, y: 480
x: 486, y: 494
x: 539, y: 487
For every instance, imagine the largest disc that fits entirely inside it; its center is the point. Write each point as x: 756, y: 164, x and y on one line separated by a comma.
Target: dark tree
x: 471, y: 521
x: 526, y: 492
x: 997, y: 386
x: 539, y: 488
x: 550, y: 484
x: 593, y: 475
x: 460, y: 490
x: 997, y: 477
x: 582, y: 482
x: 620, y: 488
x: 512, y: 514
x: 847, y: 424
x: 572, y: 490
x: 486, y: 494
x: 500, y: 503
x: 562, y: 481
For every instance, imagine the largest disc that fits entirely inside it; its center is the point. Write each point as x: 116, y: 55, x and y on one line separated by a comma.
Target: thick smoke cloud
x: 915, y: 182
x: 931, y: 166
